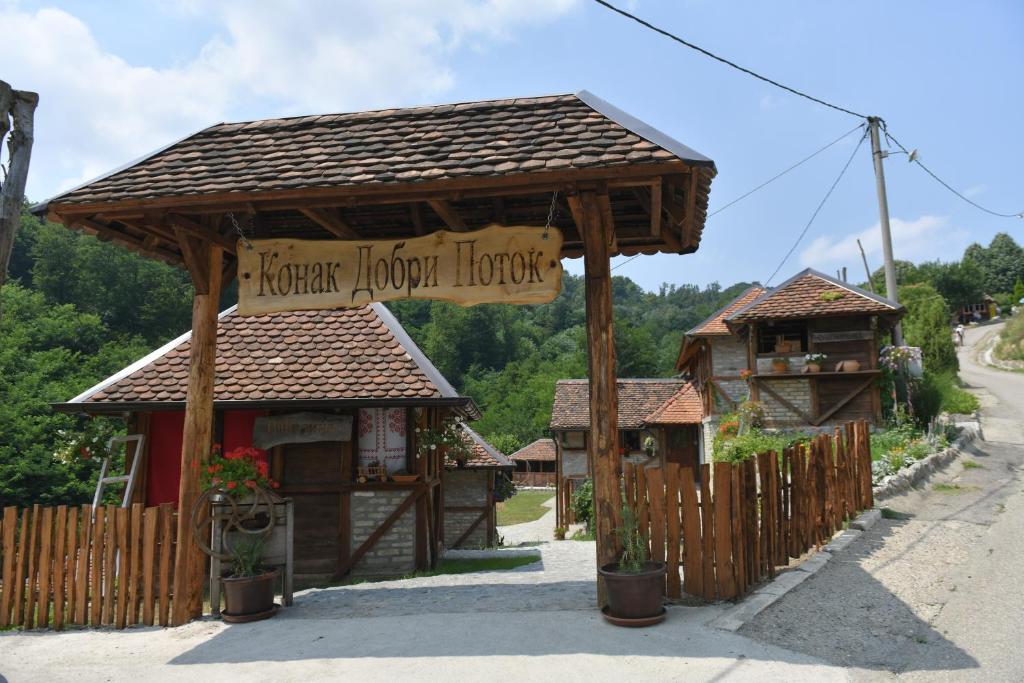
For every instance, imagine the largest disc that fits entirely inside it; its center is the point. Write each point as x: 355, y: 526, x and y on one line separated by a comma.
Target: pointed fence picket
x: 64, y: 565
x: 727, y: 530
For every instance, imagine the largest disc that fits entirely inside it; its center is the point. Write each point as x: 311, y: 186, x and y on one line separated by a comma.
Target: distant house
x: 986, y: 309
x: 768, y: 333
x: 667, y: 410
x: 535, y: 463
x: 469, y: 513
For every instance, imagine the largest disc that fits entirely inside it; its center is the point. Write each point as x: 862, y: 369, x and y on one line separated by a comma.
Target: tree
x: 1018, y: 291
x: 1001, y: 264
x: 17, y: 111
x: 959, y: 283
x: 926, y: 325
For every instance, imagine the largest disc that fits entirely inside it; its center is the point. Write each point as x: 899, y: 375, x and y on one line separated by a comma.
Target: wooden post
x: 603, y: 448
x: 198, y: 435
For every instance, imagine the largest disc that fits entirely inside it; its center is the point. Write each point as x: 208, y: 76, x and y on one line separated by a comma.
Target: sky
x: 120, y: 79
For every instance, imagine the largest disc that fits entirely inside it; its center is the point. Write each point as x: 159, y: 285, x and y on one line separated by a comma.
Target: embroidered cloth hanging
x: 382, y: 437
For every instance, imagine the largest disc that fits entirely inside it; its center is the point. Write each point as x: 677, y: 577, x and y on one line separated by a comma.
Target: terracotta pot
x: 814, y: 367
x: 851, y: 365
x: 779, y: 367
x: 250, y: 595
x: 635, y: 596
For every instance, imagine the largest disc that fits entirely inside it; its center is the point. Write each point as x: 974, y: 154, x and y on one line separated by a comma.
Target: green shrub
x: 1011, y: 340
x: 739, y: 448
x: 583, y: 503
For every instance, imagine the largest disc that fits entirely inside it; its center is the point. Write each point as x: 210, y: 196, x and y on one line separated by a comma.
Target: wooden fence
x: 65, y: 565
x: 730, y: 525
x: 534, y: 478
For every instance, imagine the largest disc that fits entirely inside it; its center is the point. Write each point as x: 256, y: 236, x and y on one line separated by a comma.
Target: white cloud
x: 98, y: 111
x: 926, y: 238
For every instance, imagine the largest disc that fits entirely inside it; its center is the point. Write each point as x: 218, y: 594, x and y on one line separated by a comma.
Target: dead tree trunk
x: 17, y: 108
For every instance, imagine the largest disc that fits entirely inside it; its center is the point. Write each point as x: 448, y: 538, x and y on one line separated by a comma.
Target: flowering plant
x: 237, y: 471
x: 817, y: 358
x: 449, y: 437
x: 896, y: 358
x: 746, y: 374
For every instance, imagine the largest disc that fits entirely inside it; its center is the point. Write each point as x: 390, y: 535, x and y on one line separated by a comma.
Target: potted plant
x: 813, y: 361
x: 650, y: 446
x: 237, y: 473
x: 248, y: 587
x: 635, y: 585
x: 780, y: 365
x: 450, y: 439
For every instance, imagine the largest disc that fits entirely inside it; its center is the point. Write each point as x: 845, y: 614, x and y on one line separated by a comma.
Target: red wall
x: 165, y: 436
x: 164, y: 466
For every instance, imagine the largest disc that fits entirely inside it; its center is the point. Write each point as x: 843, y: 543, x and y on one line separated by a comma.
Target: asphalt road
x: 935, y: 592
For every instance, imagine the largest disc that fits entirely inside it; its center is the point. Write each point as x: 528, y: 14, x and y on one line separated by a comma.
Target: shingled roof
x: 811, y: 294
x: 539, y: 450
x: 496, y: 137
x: 638, y: 398
x: 343, y: 356
x: 684, y: 407
x: 715, y: 324
x: 483, y: 453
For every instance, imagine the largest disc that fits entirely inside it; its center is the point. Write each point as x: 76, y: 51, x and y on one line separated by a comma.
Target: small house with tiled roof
x: 535, y: 463
x: 668, y: 410
x: 807, y: 351
x: 335, y: 400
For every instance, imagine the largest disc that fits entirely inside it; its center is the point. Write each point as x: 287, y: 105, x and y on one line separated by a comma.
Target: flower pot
x: 249, y: 597
x: 635, y: 596
x: 814, y: 367
x: 848, y: 366
x: 779, y: 367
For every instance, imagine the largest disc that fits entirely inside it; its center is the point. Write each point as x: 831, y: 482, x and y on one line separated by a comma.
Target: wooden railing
x: 65, y: 565
x: 731, y: 526
x: 534, y: 478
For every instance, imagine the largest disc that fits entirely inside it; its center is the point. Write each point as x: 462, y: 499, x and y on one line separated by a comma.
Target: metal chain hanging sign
x: 510, y: 265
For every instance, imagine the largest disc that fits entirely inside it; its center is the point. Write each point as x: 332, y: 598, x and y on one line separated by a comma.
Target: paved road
x: 936, y: 595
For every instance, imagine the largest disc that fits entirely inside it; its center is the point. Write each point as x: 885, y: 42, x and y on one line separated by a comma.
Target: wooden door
x: 311, y: 474
x: 681, y: 447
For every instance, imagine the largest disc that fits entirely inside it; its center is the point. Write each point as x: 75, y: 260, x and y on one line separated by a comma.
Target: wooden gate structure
x: 617, y: 185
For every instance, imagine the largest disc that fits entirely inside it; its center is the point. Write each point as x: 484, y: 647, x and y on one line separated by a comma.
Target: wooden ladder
x: 127, y: 479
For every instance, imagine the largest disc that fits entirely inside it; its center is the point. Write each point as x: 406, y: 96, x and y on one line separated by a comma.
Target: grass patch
x: 1011, y: 340
x: 525, y: 506
x: 972, y: 465
x: 952, y: 397
x: 582, y: 535
x: 889, y: 513
x: 951, y: 488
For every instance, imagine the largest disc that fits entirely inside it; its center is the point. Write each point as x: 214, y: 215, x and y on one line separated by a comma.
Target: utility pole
x: 867, y: 271
x: 883, y: 212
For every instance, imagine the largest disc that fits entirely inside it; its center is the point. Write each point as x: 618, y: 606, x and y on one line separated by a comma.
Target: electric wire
x: 767, y: 182
x: 734, y: 65
x: 889, y: 136
x: 817, y: 210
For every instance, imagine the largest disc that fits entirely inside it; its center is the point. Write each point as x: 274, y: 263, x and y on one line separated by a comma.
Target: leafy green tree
x: 1018, y: 291
x: 1001, y: 263
x: 927, y: 325
x: 959, y: 283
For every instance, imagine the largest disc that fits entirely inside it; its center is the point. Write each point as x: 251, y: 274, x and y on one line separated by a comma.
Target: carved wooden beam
x: 655, y: 211
x: 331, y: 221
x: 448, y: 214
x: 196, y: 260
x: 107, y: 234
x: 416, y: 216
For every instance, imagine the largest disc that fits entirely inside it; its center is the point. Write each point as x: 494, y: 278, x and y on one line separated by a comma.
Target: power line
x: 817, y: 210
x: 767, y: 182
x: 779, y: 175
x: 725, y: 61
x: 914, y: 159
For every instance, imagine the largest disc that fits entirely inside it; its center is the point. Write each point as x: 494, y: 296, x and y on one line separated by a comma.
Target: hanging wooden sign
x: 510, y: 265
x: 275, y: 430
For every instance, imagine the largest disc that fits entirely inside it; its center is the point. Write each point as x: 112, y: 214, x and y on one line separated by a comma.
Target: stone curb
x: 909, y: 477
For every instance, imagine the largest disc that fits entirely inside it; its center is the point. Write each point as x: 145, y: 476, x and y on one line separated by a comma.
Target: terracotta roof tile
x: 684, y: 407
x: 484, y: 454
x: 396, y: 145
x: 810, y: 294
x: 355, y: 353
x: 541, y: 449
x: 715, y: 324
x: 638, y: 398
